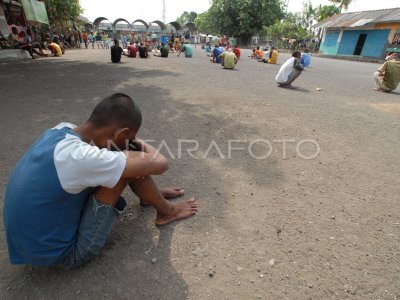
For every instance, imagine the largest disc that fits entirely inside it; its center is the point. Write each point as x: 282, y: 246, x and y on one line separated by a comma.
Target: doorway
x: 360, y: 44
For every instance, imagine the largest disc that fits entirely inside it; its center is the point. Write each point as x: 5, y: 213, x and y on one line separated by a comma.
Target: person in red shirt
x: 236, y: 50
x: 132, y: 50
x: 85, y: 39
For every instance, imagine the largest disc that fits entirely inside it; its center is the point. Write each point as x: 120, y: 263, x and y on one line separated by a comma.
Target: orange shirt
x: 259, y: 54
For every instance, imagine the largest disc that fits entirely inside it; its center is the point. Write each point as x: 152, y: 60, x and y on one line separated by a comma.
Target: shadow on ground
x: 38, y: 95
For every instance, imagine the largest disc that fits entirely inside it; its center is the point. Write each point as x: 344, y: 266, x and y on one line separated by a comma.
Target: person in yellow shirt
x: 54, y: 48
x: 272, y: 57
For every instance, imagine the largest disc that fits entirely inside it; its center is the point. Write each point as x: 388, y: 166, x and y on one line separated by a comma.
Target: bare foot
x: 378, y: 89
x: 180, y: 210
x: 167, y: 193
x: 173, y: 192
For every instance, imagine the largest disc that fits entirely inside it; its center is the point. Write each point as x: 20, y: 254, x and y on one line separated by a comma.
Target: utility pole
x: 164, y: 10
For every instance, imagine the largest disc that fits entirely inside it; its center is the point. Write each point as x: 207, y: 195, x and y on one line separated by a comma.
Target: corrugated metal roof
x: 357, y: 19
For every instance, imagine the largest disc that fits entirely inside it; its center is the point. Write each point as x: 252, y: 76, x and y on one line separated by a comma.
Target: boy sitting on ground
x: 65, y: 193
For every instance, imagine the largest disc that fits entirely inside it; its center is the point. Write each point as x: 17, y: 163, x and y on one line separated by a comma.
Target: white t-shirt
x: 285, y: 70
x: 80, y: 165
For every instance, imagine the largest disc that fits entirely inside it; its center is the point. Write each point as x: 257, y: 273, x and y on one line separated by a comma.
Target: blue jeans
x: 94, y: 229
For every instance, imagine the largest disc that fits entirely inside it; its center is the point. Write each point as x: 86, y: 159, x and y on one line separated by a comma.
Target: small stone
x: 252, y: 281
x: 77, y: 292
x: 333, y: 217
x: 272, y: 262
x: 309, y: 285
x: 319, y: 89
x: 261, y: 275
x: 211, y: 274
x: 239, y: 269
x: 278, y: 231
x: 153, y: 260
x: 8, y: 288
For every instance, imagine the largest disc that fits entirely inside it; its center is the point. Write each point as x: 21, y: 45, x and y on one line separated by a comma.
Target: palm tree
x: 343, y: 4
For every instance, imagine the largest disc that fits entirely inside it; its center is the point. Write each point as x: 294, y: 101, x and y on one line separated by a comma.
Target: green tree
x: 308, y: 16
x: 241, y: 18
x: 343, y: 4
x: 60, y: 12
x: 325, y: 11
x: 187, y: 17
x: 205, y: 24
x: 290, y: 27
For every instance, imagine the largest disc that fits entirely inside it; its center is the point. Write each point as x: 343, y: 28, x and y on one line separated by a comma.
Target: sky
x: 151, y: 11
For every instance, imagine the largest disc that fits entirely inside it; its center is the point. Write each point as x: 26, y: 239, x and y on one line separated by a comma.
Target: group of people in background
x: 34, y: 44
x: 222, y: 54
x: 100, y: 39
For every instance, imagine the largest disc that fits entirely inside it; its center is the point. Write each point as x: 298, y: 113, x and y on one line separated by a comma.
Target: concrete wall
x: 330, y: 42
x: 374, y: 45
x: 393, y: 27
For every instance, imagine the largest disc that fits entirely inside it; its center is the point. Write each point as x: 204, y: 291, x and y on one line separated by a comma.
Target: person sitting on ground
x: 215, y: 57
x: 272, y: 56
x: 64, y: 195
x: 187, y: 49
x: 171, y: 47
x: 54, y: 48
x: 208, y: 47
x: 143, y: 52
x: 116, y: 52
x: 34, y: 44
x: 290, y: 70
x: 236, y: 50
x: 391, y: 56
x: 387, y: 77
x: 257, y: 53
x: 227, y: 47
x: 16, y: 43
x: 58, y: 40
x: 253, y: 55
x: 164, y: 51
x: 229, y: 60
x: 132, y: 50
x: 306, y: 58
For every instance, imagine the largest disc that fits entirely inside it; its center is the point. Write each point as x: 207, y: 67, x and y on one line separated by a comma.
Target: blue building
x: 367, y: 34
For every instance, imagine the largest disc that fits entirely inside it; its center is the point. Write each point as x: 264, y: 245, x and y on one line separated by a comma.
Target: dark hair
x: 295, y: 53
x: 258, y: 48
x: 116, y: 42
x: 117, y: 109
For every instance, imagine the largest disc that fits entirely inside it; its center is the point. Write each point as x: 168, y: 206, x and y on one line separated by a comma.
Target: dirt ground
x: 283, y: 227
